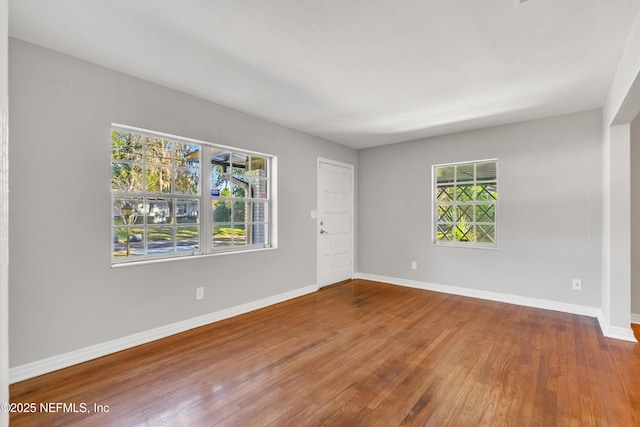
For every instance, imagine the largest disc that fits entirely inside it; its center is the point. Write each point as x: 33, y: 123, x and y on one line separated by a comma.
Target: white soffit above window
x: 362, y: 73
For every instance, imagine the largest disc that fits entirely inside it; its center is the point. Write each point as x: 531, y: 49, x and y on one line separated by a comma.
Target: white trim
x: 183, y: 257
x: 335, y: 163
x: 616, y: 332
x: 488, y: 295
x: 607, y: 330
x: 273, y: 220
x: 50, y: 364
x: 635, y: 318
x: 4, y: 209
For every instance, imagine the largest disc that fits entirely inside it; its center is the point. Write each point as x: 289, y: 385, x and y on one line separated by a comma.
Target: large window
x: 465, y: 199
x: 174, y: 196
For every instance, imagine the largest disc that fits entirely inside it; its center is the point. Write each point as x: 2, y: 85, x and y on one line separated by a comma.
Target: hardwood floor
x: 359, y: 354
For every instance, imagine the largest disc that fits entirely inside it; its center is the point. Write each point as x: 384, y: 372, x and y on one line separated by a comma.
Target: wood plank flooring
x: 360, y: 353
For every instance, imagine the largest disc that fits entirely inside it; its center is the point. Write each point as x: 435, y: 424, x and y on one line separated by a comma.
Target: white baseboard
x: 625, y: 334
x: 487, y: 295
x: 607, y: 330
x: 50, y: 364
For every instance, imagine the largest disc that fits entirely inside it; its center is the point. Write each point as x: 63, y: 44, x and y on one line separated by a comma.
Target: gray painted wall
x: 549, y: 213
x: 64, y: 294
x: 635, y: 216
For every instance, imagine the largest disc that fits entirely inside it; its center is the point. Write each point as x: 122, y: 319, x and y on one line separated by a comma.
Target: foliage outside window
x: 168, y: 201
x: 465, y: 202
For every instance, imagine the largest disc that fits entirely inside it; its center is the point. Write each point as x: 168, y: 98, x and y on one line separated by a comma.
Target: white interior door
x: 335, y: 222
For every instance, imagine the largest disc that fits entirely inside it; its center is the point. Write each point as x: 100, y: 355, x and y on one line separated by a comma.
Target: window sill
x: 465, y: 246
x: 185, y: 257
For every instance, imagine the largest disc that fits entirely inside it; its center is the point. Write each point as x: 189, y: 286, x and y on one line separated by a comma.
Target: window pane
x: 187, y: 155
x: 239, y: 186
x: 160, y: 240
x: 465, y: 193
x: 258, y: 166
x: 126, y: 177
x: 258, y: 188
x: 187, y: 238
x: 220, y: 185
x: 445, y: 194
x: 486, y: 233
x: 464, y: 213
x: 445, y: 232
x: 239, y: 234
x: 445, y: 174
x: 464, y: 232
x: 239, y: 211
x: 258, y: 234
x: 221, y: 158
x: 187, y: 211
x: 118, y: 238
x: 485, y: 213
x: 445, y: 213
x: 464, y: 173
x: 128, y: 211
x: 187, y: 181
x: 257, y: 212
x: 486, y: 171
x: 221, y: 211
x: 126, y: 146
x: 158, y: 180
x: 486, y: 191
x: 122, y: 235
x: 222, y: 235
x: 159, y: 151
x: 159, y: 211
x: 239, y: 163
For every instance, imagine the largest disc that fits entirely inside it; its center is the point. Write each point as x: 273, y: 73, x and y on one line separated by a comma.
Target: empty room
x: 305, y: 213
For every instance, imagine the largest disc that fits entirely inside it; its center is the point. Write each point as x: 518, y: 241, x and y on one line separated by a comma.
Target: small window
x: 465, y: 197
x: 240, y: 198
x: 167, y: 201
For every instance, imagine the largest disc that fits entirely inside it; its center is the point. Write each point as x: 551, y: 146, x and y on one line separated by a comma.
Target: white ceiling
x: 358, y: 72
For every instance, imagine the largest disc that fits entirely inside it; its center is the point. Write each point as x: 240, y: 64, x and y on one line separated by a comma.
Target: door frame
x: 4, y: 209
x: 353, y: 215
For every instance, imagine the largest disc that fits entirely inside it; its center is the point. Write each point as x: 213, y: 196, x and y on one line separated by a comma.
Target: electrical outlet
x: 414, y: 265
x: 200, y: 293
x: 576, y: 284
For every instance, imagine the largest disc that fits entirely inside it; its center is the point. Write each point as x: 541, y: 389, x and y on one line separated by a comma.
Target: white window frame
x: 205, y: 198
x: 474, y: 203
